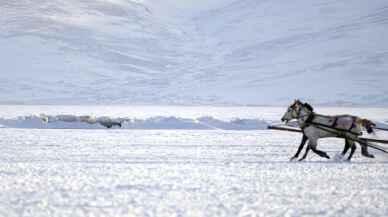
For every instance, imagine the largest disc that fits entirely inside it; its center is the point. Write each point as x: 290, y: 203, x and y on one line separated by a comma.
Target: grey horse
x: 316, y: 126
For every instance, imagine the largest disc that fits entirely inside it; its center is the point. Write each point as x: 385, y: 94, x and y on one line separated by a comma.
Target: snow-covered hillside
x: 227, y: 52
x: 326, y: 51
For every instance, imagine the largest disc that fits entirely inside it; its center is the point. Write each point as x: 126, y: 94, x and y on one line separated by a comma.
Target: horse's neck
x: 324, y: 119
x: 303, y: 117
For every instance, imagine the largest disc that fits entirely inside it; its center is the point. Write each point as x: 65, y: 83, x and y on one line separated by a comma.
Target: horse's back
x: 343, y: 122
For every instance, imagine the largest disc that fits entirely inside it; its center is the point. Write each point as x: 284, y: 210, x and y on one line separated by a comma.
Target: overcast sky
x: 194, y: 4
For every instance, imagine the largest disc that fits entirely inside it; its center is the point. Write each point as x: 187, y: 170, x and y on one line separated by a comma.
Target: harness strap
x: 334, y: 128
x: 310, y: 118
x: 335, y: 122
x: 361, y: 141
x: 308, y: 121
x: 353, y: 124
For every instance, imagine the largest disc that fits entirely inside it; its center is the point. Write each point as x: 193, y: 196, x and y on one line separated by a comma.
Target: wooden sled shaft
x: 365, y: 141
x: 284, y: 129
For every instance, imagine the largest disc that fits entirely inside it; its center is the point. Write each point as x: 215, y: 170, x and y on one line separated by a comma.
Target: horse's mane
x: 308, y: 106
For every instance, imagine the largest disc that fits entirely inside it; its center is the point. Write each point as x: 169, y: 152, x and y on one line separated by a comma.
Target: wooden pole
x: 366, y: 141
x: 375, y: 140
x: 379, y: 128
x: 284, y: 129
x: 300, y: 131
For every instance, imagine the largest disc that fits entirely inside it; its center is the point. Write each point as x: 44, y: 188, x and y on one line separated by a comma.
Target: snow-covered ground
x: 112, y: 172
x: 121, y: 61
x: 233, y: 52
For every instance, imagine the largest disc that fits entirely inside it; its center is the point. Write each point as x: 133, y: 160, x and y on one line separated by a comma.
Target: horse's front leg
x: 302, y: 143
x: 305, y: 153
x: 313, y: 144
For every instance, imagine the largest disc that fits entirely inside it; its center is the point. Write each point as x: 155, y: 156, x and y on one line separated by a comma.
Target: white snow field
x: 187, y: 172
x: 224, y: 52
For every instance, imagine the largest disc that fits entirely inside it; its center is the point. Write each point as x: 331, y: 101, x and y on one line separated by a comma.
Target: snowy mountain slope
x: 326, y: 51
x: 189, y: 52
x: 86, y: 51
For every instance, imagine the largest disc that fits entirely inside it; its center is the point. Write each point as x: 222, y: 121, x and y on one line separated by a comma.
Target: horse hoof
x: 302, y: 159
x: 293, y: 158
x: 368, y: 155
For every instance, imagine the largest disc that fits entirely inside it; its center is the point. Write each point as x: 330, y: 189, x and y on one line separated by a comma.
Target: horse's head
x: 292, y: 111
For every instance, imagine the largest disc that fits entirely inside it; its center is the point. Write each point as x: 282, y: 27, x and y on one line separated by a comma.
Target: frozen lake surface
x: 146, y: 172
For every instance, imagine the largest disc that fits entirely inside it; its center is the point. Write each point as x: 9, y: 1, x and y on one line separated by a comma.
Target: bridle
x: 302, y: 118
x: 299, y: 111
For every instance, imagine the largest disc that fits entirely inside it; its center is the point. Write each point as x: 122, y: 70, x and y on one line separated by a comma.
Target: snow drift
x: 159, y: 122
x: 152, y: 123
x: 161, y: 117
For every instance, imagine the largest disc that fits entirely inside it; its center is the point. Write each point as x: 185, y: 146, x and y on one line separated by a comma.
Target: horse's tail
x: 367, y: 124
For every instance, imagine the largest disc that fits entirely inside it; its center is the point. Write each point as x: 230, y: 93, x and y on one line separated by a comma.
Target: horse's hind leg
x: 303, y: 142
x: 364, y: 151
x: 352, y: 149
